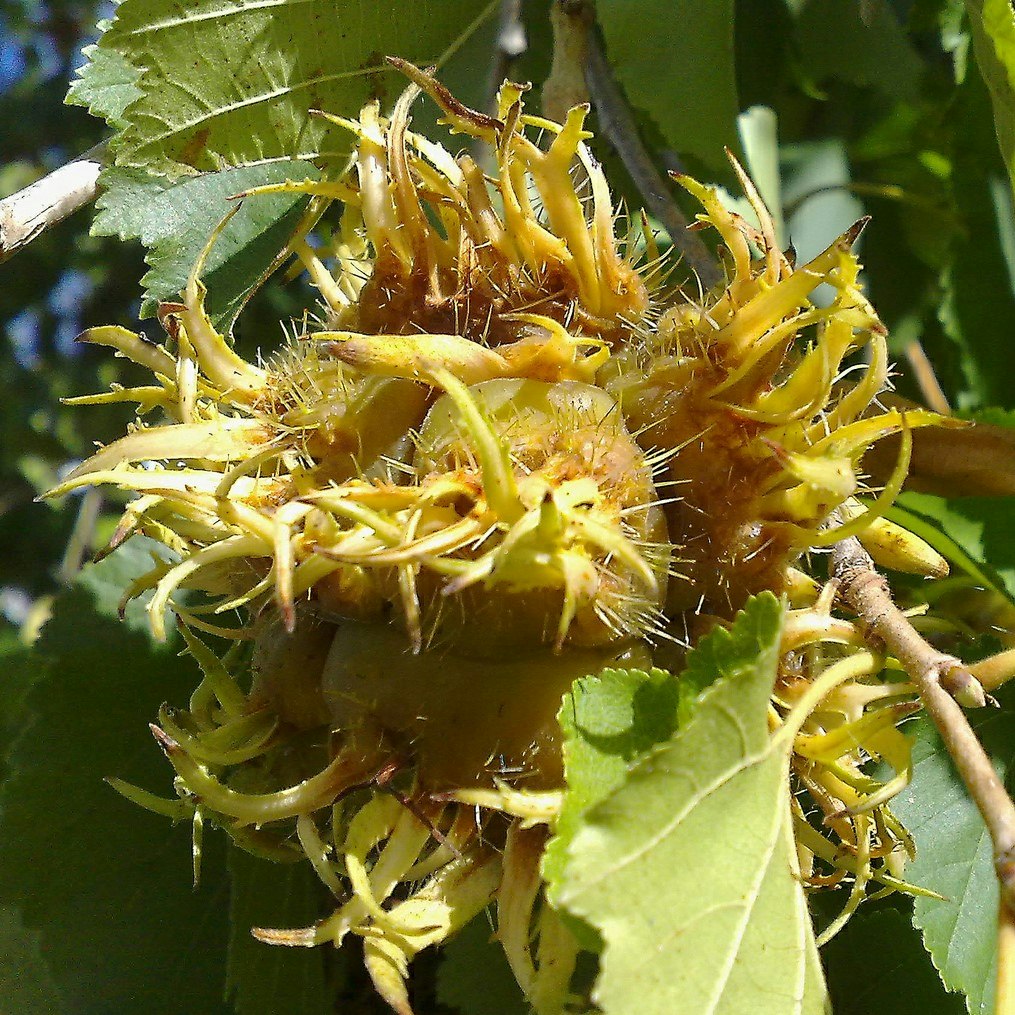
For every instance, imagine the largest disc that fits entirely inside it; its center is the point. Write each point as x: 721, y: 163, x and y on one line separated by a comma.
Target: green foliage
x: 609, y: 721
x: 175, y: 220
x: 954, y: 856
x: 686, y: 868
x: 474, y: 977
x: 262, y: 980
x: 232, y: 86
x: 977, y: 533
x: 993, y: 29
x: 877, y: 111
x: 697, y: 116
x: 98, y: 891
x: 106, y: 85
x: 877, y: 966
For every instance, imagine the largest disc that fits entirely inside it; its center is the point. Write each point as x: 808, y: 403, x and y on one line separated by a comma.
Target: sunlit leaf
x: 229, y: 84
x: 688, y: 868
x: 106, y: 84
x: 609, y: 722
x: 174, y: 221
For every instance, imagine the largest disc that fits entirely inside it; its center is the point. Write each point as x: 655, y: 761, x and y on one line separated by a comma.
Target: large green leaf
x: 877, y: 965
x: 107, y: 83
x: 267, y: 980
x: 609, y: 722
x: 954, y: 856
x: 979, y: 285
x: 978, y: 532
x: 231, y: 83
x: 993, y: 26
x: 688, y: 868
x: 101, y: 886
x: 674, y: 59
x: 174, y: 221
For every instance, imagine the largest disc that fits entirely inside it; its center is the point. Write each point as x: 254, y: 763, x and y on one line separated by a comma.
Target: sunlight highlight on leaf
x: 688, y: 869
x: 228, y: 84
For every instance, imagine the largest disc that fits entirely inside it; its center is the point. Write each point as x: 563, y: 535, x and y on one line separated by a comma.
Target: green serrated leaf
x: 688, y: 869
x: 978, y: 534
x: 877, y: 965
x: 232, y: 84
x: 106, y: 85
x: 609, y: 721
x: 174, y: 222
x: 979, y: 284
x: 474, y: 977
x: 993, y: 28
x: 865, y: 47
x: 954, y: 855
x: 730, y: 653
x: 674, y: 59
x: 263, y: 979
x: 103, y: 886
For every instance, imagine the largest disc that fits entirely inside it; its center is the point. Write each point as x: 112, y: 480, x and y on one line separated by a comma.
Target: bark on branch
x: 575, y: 33
x: 31, y: 211
x: 940, y: 679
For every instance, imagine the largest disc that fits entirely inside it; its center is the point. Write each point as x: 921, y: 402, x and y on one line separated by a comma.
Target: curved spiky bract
x: 745, y: 386
x: 437, y: 506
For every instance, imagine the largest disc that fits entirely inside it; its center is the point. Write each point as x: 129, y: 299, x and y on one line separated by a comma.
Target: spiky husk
x: 505, y: 456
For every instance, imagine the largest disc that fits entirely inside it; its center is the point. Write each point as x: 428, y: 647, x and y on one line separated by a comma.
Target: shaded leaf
x: 954, y: 855
x: 174, y: 221
x: 688, y: 868
x: 103, y: 886
x: 993, y: 30
x: 867, y: 48
x: 877, y: 965
x: 979, y: 530
x: 609, y: 721
x: 979, y: 284
x: 19, y: 669
x: 474, y: 976
x: 25, y: 984
x: 232, y: 84
x: 264, y: 979
x: 674, y: 59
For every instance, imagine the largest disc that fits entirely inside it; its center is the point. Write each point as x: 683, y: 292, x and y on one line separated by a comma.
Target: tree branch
x: 940, y: 679
x: 31, y: 211
x: 617, y: 125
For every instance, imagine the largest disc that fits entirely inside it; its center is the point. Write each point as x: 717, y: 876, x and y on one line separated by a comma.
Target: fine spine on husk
x: 506, y: 455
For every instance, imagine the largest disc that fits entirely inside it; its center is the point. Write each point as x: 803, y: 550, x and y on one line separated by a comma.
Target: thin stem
x: 940, y: 679
x: 926, y: 378
x: 31, y: 211
x: 617, y: 125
